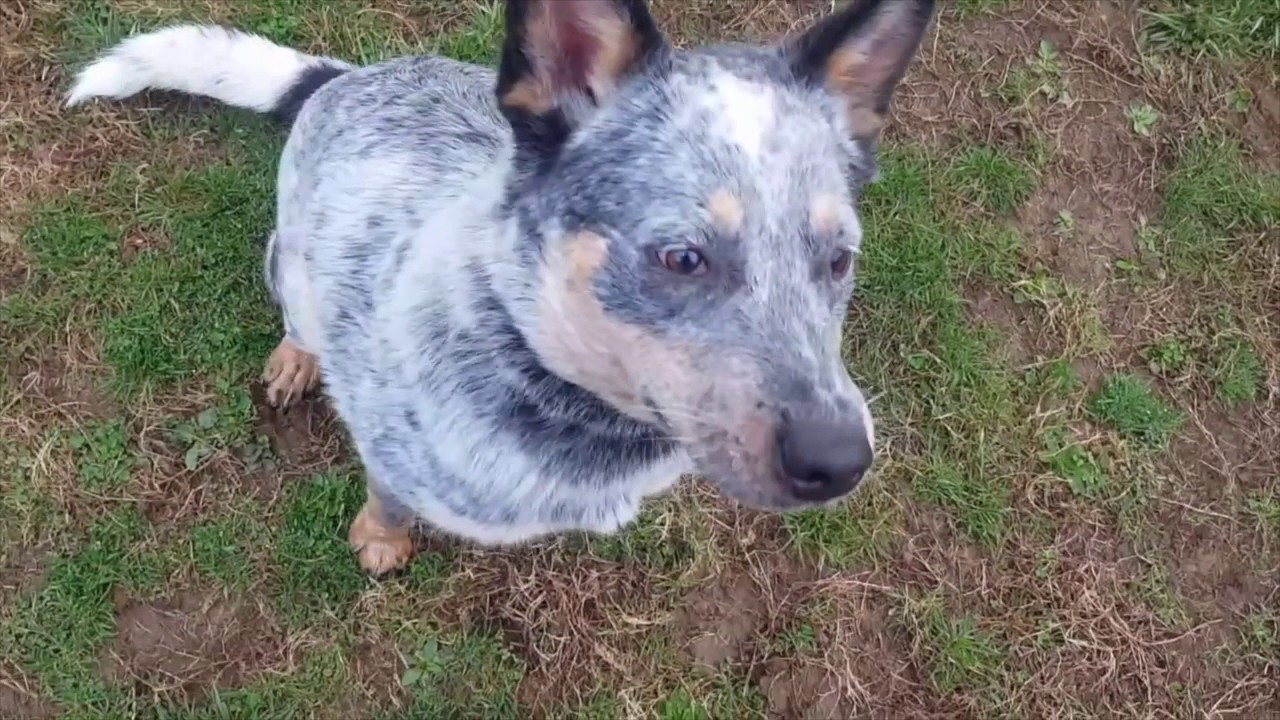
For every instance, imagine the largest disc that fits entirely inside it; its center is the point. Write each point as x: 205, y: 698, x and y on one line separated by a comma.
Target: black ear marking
x: 562, y: 58
x: 861, y: 54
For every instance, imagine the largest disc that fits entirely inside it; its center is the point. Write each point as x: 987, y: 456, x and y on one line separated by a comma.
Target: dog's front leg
x: 380, y: 534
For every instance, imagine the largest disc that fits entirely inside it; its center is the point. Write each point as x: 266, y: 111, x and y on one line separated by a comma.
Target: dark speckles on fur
x: 424, y: 219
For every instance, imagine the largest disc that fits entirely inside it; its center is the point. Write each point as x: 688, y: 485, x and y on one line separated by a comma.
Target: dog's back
x: 374, y: 157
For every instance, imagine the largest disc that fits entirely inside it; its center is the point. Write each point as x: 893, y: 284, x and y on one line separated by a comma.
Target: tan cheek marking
x: 577, y: 339
x: 824, y: 215
x: 726, y: 212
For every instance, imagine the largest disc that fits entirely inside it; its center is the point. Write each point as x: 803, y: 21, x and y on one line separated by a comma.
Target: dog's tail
x: 231, y: 66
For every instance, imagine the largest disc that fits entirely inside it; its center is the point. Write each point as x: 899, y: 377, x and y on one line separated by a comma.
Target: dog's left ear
x: 563, y: 58
x: 861, y: 54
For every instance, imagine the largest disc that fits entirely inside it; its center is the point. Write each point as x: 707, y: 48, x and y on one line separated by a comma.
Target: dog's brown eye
x: 683, y: 261
x: 841, y: 263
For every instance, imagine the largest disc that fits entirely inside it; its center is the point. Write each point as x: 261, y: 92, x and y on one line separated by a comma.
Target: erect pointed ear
x: 861, y: 53
x: 562, y: 58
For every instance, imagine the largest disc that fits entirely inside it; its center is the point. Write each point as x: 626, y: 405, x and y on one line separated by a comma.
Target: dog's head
x: 687, y: 219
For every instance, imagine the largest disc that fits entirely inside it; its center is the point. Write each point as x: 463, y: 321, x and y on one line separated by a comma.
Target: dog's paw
x: 379, y: 549
x: 291, y: 373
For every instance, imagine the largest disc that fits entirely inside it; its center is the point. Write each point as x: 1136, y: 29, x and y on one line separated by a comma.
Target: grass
x: 103, y: 461
x: 1130, y: 406
x: 1041, y: 78
x: 1237, y: 29
x: 961, y: 656
x: 1029, y: 546
x: 317, y: 576
x: 847, y: 536
x: 57, y: 632
x: 467, y: 677
x: 1213, y: 203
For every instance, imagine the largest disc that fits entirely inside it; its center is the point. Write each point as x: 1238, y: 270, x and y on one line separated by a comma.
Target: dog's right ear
x: 563, y: 58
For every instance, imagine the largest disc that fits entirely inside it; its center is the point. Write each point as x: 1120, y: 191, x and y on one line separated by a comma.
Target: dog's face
x: 691, y: 229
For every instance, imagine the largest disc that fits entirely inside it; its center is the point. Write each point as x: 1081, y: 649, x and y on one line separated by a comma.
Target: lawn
x: 1068, y: 313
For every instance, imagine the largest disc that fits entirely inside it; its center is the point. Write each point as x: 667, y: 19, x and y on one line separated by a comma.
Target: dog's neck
x: 570, y: 425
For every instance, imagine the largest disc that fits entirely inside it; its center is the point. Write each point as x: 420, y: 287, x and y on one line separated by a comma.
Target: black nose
x: 823, y: 458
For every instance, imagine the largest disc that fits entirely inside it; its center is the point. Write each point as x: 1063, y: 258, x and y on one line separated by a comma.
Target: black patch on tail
x: 311, y: 80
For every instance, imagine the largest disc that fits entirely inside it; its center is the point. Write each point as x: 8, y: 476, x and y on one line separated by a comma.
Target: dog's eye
x: 682, y: 260
x: 841, y: 262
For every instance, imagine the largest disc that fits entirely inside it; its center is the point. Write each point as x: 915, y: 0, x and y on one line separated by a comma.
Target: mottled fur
x: 476, y: 258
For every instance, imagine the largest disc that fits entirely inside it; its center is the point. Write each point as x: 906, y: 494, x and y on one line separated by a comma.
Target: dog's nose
x: 823, y: 458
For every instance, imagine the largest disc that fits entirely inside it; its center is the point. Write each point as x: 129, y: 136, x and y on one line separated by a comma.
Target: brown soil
x: 722, y: 620
x: 20, y: 697
x: 190, y: 645
x: 62, y: 384
x: 306, y: 435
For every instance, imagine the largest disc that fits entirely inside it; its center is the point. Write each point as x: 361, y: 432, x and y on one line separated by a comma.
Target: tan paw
x: 379, y: 549
x: 291, y: 373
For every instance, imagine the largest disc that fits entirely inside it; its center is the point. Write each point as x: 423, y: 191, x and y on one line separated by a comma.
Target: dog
x: 539, y: 294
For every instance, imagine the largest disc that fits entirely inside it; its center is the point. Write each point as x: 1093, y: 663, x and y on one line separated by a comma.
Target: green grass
x: 29, y: 513
x: 660, y: 539
x: 1265, y: 509
x: 164, y: 317
x: 1130, y: 406
x: 1212, y: 204
x: 57, y: 633
x: 1260, y: 634
x: 469, y: 676
x: 224, y: 549
x: 980, y: 504
x: 960, y: 655
x: 1237, y: 371
x: 318, y: 684
x: 1075, y: 465
x: 1237, y: 29
x: 991, y: 179
x: 1168, y: 357
x: 1155, y: 590
x: 681, y: 706
x: 318, y: 574
x: 858, y: 532
x: 1039, y: 78
x: 103, y: 460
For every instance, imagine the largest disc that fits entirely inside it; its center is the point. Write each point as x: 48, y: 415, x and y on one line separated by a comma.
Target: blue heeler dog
x: 538, y: 295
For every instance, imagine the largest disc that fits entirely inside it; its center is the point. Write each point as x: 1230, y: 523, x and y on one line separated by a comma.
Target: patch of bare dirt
x: 723, y: 620
x: 20, y: 697
x: 864, y: 666
x: 576, y: 621
x: 1219, y: 567
x: 59, y: 382
x: 377, y: 667
x: 997, y: 310
x: 309, y: 434
x: 191, y: 644
x: 1260, y: 119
